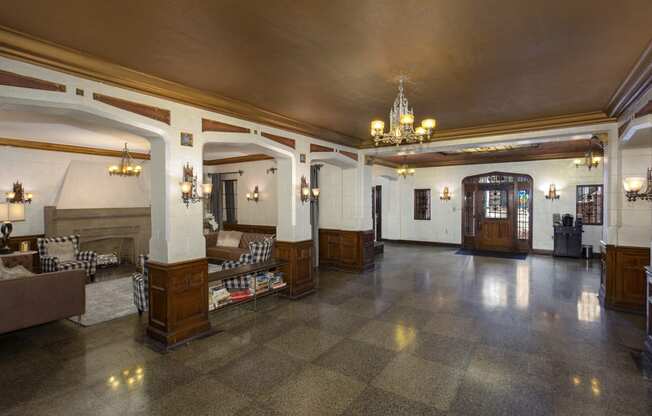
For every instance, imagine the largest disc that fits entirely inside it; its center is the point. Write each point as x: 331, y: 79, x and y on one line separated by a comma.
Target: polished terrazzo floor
x: 427, y: 333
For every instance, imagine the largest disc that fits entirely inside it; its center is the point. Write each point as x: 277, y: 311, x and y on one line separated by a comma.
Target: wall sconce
x: 189, y: 191
x: 253, y: 196
x: 552, y: 192
x: 307, y: 193
x: 272, y: 171
x: 634, y: 184
x: 18, y: 195
x: 445, y: 194
x: 9, y: 213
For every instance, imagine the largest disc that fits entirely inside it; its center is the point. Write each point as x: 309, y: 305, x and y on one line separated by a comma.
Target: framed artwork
x: 186, y: 139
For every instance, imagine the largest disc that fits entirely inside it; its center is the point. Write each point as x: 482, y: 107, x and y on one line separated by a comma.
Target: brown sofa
x: 215, y: 252
x: 34, y: 300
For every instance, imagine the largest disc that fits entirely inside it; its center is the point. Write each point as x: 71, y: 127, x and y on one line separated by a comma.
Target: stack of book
x: 218, y: 297
x: 240, y: 295
x: 276, y: 280
x: 261, y: 283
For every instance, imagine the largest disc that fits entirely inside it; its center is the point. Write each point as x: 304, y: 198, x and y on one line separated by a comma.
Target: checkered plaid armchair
x: 86, y: 260
x: 259, y: 251
x: 140, y: 281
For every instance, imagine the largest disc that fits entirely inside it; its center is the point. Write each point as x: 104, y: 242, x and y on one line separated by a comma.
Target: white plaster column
x: 356, y: 197
x: 177, y: 230
x: 612, y: 188
x: 293, y: 215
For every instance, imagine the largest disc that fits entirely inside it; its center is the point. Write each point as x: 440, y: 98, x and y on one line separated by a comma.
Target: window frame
x: 418, y: 209
x: 598, y: 207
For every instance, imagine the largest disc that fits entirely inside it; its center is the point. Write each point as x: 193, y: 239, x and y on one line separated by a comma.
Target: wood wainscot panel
x: 178, y: 301
x: 250, y: 228
x: 622, y: 278
x: 298, y: 271
x: 155, y: 113
x: 648, y: 335
x: 347, y: 250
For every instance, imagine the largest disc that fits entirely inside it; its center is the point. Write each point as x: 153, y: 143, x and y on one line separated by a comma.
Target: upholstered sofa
x: 40, y: 298
x: 224, y: 253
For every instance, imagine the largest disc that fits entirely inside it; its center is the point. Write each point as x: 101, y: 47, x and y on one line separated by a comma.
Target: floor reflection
x: 588, y: 307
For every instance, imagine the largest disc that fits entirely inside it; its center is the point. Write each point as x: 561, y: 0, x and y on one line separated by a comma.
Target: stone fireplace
x: 123, y: 231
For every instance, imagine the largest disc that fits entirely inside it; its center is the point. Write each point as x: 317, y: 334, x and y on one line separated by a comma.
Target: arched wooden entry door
x: 497, y: 212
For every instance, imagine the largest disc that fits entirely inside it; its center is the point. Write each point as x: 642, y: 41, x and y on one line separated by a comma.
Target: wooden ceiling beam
x: 67, y: 148
x: 237, y: 159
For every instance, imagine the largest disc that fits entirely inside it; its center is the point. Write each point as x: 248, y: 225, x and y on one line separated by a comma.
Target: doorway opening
x: 497, y: 212
x: 377, y: 212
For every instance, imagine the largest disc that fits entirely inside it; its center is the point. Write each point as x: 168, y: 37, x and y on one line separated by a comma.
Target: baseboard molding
x: 541, y: 252
x: 422, y: 243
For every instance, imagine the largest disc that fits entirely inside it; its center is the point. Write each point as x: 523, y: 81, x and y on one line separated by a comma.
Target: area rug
x: 499, y: 254
x: 106, y: 301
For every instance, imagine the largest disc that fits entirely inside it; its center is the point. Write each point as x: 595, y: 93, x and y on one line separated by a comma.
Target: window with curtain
x: 588, y: 205
x: 230, y: 201
x: 422, y: 204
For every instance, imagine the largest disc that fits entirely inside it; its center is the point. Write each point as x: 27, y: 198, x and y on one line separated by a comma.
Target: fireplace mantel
x: 103, y: 227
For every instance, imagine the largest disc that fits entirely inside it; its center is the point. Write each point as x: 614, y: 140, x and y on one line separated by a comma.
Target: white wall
x: 340, y: 202
x: 635, y: 217
x: 43, y: 174
x: 263, y: 212
x: 445, y: 225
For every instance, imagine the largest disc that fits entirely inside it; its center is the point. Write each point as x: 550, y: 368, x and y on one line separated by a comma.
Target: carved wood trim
x: 318, y: 148
x: 155, y: 113
x: 218, y: 126
x: 638, y: 80
x: 280, y: 139
x: 16, y: 45
x: 237, y: 159
x: 547, y: 123
x: 67, y: 148
x: 12, y: 79
x: 351, y: 155
x: 647, y: 109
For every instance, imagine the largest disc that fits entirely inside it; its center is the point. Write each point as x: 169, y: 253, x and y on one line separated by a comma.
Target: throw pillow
x: 229, y: 238
x: 15, y: 272
x: 64, y: 250
x: 261, y: 250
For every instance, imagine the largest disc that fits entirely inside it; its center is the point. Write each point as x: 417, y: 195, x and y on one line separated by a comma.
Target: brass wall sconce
x: 552, y: 192
x: 189, y: 192
x: 633, y: 186
x: 253, y: 196
x: 307, y: 193
x: 272, y: 171
x: 445, y: 194
x: 18, y: 195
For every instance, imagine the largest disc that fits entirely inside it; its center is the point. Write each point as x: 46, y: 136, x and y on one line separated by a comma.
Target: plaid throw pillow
x: 261, y: 250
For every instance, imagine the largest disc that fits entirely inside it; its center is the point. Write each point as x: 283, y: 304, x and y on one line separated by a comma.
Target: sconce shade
x: 207, y: 188
x: 315, y: 192
x: 12, y: 212
x: 633, y: 183
x: 305, y: 191
x: 186, y: 187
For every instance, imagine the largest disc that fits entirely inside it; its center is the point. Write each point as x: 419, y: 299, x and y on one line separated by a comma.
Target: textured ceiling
x: 334, y: 63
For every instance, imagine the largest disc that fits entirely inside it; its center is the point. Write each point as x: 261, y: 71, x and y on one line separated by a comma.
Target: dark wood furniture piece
x: 648, y: 333
x: 22, y: 258
x: 622, y: 278
x: 251, y: 228
x: 346, y: 250
x: 497, y: 212
x: 567, y: 241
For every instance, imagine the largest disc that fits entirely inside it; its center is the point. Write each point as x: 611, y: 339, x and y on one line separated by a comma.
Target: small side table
x: 22, y: 258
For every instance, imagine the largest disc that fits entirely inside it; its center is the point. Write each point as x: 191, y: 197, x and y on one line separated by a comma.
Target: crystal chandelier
x: 591, y: 158
x: 401, y: 124
x: 405, y: 171
x: 127, y: 165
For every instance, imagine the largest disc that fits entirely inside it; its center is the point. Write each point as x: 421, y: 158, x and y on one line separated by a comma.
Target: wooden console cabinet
x: 622, y: 280
x: 178, y: 301
x: 297, y: 256
x: 347, y: 250
x: 648, y: 332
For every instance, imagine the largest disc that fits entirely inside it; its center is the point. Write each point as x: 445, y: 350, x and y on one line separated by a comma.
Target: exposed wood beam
x: 318, y: 148
x: 351, y: 155
x: 12, y: 79
x: 218, y: 126
x: 67, y: 148
x: 280, y: 139
x: 155, y: 113
x: 237, y: 159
